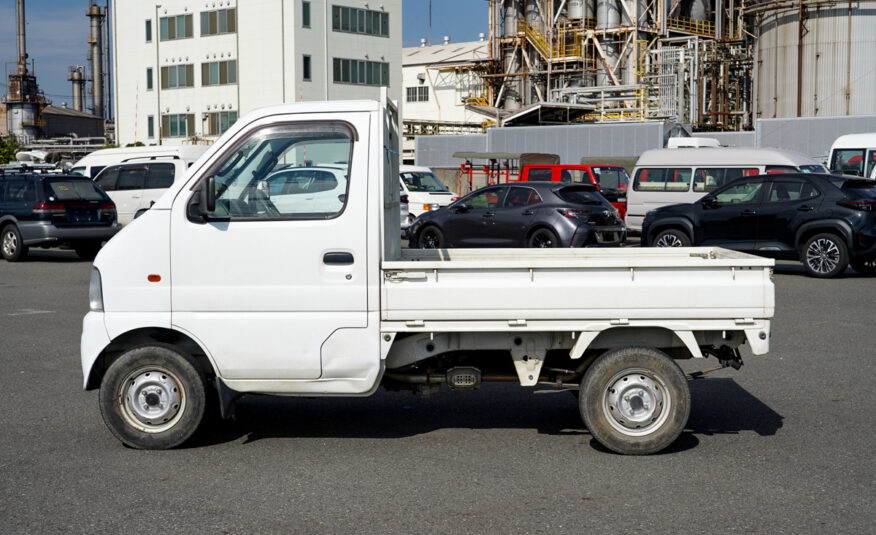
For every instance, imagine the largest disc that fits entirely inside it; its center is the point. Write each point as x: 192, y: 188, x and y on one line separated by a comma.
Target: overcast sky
x: 57, y: 31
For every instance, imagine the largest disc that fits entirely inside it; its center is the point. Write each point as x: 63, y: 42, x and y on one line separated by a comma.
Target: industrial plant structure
x: 717, y: 65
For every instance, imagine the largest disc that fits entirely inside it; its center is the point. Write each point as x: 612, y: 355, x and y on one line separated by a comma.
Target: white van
x: 92, y: 164
x: 139, y: 182
x: 675, y: 176
x: 425, y: 192
x: 854, y: 154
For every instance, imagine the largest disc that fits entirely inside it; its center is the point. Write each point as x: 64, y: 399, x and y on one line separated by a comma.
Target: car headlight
x: 95, y: 291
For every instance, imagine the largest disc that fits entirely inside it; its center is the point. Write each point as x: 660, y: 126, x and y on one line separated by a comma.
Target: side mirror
x: 264, y: 188
x: 461, y: 208
x: 710, y: 202
x: 207, y: 203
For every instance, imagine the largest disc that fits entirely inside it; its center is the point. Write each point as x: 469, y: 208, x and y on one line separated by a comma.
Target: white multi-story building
x: 443, y: 86
x: 186, y: 70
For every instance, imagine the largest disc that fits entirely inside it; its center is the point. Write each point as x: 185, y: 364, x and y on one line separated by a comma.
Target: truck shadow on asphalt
x: 53, y: 256
x: 718, y: 406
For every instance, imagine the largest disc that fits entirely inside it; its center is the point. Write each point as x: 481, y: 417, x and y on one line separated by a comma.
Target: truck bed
x: 529, y: 285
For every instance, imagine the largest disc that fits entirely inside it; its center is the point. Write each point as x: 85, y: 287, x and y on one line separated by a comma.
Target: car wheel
x: 672, y: 238
x: 634, y: 400
x: 825, y: 256
x: 152, y: 398
x: 543, y: 238
x: 431, y: 237
x: 88, y: 250
x: 864, y: 267
x: 11, y: 246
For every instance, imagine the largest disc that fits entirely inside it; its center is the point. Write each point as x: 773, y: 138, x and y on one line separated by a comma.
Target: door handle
x: 528, y: 212
x: 805, y: 208
x: 488, y: 215
x: 749, y: 213
x: 338, y: 259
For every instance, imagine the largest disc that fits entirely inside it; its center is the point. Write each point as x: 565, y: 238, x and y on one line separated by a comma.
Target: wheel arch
x: 830, y: 226
x: 681, y: 344
x: 679, y: 223
x: 160, y: 336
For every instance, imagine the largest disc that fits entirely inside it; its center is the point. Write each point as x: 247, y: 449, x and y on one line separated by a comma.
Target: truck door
x: 261, y: 284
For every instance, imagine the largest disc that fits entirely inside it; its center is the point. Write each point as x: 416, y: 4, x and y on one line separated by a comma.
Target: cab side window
x: 539, y: 174
x: 744, y: 192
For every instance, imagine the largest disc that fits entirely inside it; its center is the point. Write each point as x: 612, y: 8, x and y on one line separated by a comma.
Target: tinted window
x: 73, y: 190
x: 660, y: 179
x: 95, y: 170
x: 744, y: 192
x: 485, y: 199
x: 160, y: 176
x: 712, y: 178
x: 521, y: 197
x: 580, y: 196
x: 540, y: 174
x: 20, y: 191
x: 107, y: 180
x: 131, y: 178
x: 848, y: 161
x: 792, y: 190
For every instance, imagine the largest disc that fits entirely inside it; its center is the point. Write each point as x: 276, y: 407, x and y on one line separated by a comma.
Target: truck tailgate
x: 572, y: 284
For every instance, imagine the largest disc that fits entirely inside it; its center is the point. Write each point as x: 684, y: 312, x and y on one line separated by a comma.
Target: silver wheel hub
x: 822, y: 255
x: 10, y: 243
x: 636, y: 402
x: 152, y: 399
x: 669, y: 240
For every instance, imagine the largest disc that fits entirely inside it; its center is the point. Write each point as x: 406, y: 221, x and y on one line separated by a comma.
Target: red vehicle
x: 612, y: 180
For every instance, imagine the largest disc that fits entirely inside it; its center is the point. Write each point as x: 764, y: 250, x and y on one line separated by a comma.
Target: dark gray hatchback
x: 523, y: 214
x: 47, y: 210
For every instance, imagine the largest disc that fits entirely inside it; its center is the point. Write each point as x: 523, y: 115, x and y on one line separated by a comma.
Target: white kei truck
x: 216, y: 292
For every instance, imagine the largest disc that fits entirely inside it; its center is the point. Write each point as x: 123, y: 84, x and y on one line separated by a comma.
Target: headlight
x: 95, y: 292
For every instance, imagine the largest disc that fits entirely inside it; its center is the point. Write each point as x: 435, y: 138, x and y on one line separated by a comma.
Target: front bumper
x: 45, y: 233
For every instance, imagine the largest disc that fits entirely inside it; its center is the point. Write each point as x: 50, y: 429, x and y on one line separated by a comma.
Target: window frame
x: 306, y: 68
x: 371, y: 22
x: 305, y: 14
x: 148, y: 30
x: 636, y: 180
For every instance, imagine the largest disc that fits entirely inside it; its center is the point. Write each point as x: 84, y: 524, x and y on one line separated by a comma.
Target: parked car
x: 313, y: 190
x: 535, y: 214
x: 92, y: 164
x: 825, y: 221
x: 135, y: 186
x: 854, y: 154
x: 51, y: 210
x: 671, y: 176
x: 404, y: 212
x: 612, y: 181
x: 425, y: 192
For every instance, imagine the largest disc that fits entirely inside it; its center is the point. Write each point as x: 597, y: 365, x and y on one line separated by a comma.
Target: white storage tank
x: 828, y: 69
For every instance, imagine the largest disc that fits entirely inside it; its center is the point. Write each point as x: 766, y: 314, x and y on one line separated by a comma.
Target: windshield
x: 612, y: 180
x: 78, y: 171
x: 422, y: 182
x: 818, y: 169
x: 73, y: 190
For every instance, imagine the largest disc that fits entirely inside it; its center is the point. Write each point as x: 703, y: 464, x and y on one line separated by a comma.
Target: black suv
x: 825, y: 221
x: 48, y: 210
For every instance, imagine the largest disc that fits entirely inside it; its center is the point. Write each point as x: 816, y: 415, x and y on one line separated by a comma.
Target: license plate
x: 83, y: 216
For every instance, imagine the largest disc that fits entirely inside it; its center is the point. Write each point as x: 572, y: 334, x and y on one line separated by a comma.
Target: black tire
x: 634, y: 400
x: 87, y: 250
x: 431, y: 237
x: 824, y: 255
x: 864, y: 267
x: 543, y: 239
x: 152, y: 398
x: 671, y: 238
x: 11, y: 246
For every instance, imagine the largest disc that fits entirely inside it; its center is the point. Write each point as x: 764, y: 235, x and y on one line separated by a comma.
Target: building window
x: 219, y: 21
x: 219, y: 122
x: 417, y: 94
x: 150, y: 126
x: 148, y: 31
x: 178, y: 27
x: 353, y: 20
x: 305, y: 63
x: 305, y: 14
x: 148, y: 78
x: 219, y: 73
x: 177, y: 76
x: 360, y: 72
x: 178, y: 125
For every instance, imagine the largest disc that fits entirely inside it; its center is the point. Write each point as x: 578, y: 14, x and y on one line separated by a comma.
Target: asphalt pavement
x: 781, y: 446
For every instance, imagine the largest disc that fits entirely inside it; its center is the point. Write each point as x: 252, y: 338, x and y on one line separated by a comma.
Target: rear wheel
x: 672, y: 238
x: 543, y: 238
x: 825, y: 255
x: 152, y: 398
x: 864, y: 267
x: 87, y: 250
x: 431, y: 237
x: 634, y: 400
x: 11, y: 246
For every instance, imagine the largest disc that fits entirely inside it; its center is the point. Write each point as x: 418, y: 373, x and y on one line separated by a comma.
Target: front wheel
x: 543, y: 239
x: 864, y: 267
x: 431, y: 237
x: 634, y: 400
x: 152, y: 398
x: 11, y: 246
x: 825, y: 256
